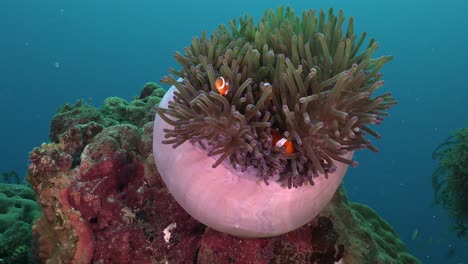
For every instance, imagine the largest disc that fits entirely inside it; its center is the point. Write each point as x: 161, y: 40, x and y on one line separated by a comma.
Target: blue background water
x: 52, y: 52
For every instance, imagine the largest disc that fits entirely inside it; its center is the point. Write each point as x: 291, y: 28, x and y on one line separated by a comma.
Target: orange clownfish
x: 263, y: 88
x: 279, y: 141
x: 222, y: 86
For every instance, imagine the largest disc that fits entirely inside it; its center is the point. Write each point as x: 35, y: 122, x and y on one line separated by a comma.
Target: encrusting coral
x: 18, y: 212
x: 450, y: 180
x: 301, y: 78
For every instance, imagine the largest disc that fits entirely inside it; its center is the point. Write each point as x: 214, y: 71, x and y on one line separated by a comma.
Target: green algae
x: 450, y: 180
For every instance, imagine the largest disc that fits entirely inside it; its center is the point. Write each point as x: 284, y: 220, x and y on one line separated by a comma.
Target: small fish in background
x: 415, y: 234
x: 428, y: 243
x: 451, y: 251
x: 429, y: 240
x: 422, y: 244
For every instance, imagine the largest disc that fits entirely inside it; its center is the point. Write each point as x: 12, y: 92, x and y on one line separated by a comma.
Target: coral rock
x: 316, y: 242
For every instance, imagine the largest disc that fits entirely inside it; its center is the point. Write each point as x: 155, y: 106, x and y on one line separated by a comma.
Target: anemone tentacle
x: 323, y: 79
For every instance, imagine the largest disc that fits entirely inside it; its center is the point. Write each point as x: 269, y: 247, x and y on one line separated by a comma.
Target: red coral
x: 85, y: 245
x: 126, y: 216
x: 316, y: 242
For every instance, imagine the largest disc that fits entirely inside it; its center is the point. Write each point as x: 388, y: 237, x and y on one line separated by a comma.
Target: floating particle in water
x: 56, y: 64
x: 62, y: 11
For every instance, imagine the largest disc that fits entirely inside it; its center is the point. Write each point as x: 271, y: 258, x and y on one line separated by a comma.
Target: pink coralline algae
x: 316, y: 242
x: 104, y: 202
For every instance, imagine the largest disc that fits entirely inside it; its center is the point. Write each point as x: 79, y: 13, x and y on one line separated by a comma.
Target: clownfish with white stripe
x: 279, y: 141
x: 222, y: 86
x: 263, y: 87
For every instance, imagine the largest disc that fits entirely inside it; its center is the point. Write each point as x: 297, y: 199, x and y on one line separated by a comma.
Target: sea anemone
x: 321, y: 95
x: 450, y: 180
x: 300, y: 81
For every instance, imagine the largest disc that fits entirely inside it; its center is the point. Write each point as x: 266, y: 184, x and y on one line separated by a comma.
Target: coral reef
x: 18, y: 211
x: 77, y: 123
x: 111, y: 206
x: 114, y: 111
x: 303, y: 78
x: 450, y: 180
x: 368, y: 238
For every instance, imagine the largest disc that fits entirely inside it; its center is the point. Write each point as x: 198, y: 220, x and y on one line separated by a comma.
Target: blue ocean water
x: 53, y: 52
